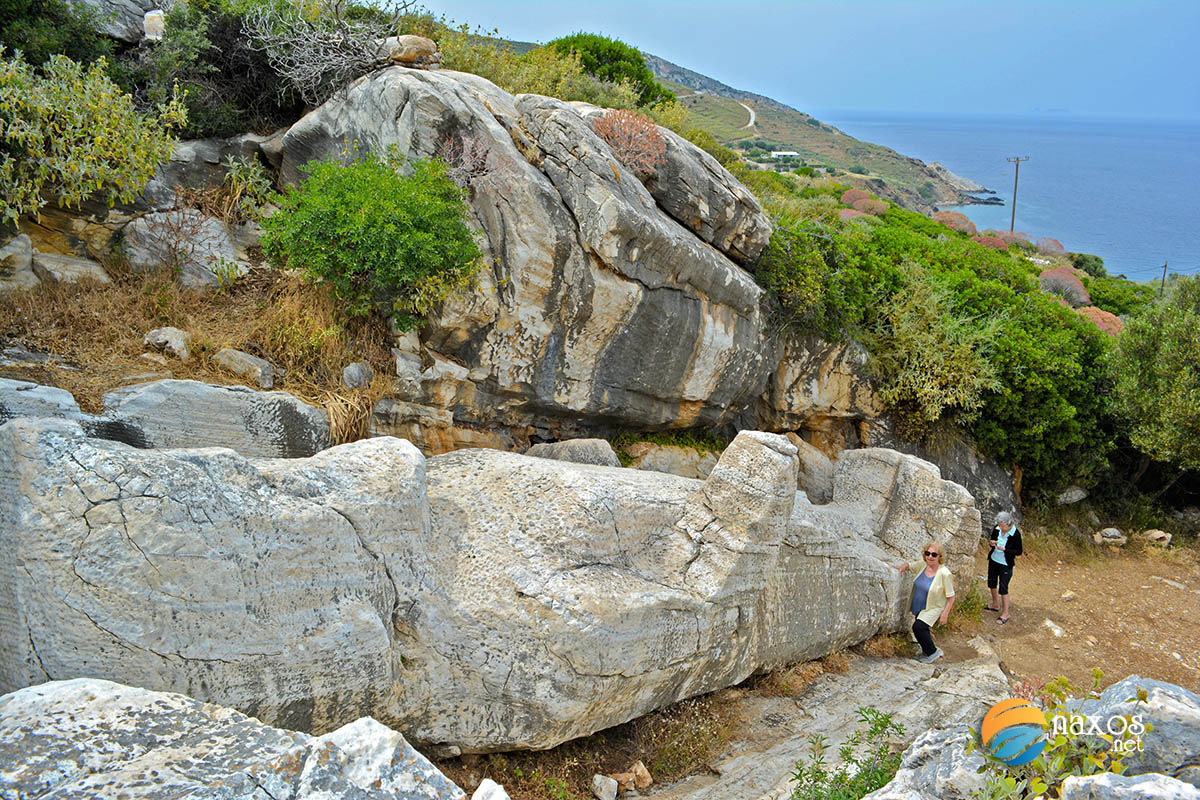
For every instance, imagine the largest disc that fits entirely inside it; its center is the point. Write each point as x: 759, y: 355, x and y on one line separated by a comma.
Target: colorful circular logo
x: 1013, y: 731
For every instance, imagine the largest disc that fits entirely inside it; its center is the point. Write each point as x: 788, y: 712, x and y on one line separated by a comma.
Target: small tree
x: 614, y: 61
x: 635, y: 140
x: 1157, y: 370
x: 69, y: 133
x: 383, y: 241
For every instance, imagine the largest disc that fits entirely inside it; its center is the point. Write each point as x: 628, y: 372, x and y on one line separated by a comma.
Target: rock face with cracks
x: 477, y: 601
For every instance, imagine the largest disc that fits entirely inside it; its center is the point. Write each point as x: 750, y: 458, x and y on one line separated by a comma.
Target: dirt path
x: 1124, y: 613
x: 750, y: 124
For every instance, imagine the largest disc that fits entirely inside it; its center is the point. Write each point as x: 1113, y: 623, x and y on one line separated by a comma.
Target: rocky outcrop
x: 16, y: 264
x: 199, y: 248
x: 598, y: 306
x: 174, y: 413
x: 688, y: 462
x: 579, y: 451
x: 120, y: 19
x: 93, y: 739
x: 957, y: 181
x: 441, y: 596
x: 52, y: 268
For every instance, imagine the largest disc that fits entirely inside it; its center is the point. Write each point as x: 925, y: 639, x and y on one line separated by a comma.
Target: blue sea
x: 1126, y: 190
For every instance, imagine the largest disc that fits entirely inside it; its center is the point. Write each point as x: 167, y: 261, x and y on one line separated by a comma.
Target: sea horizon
x: 1124, y: 188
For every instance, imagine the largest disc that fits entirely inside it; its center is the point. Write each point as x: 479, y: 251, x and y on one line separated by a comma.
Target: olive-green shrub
x: 613, y: 60
x: 69, y: 133
x: 382, y: 240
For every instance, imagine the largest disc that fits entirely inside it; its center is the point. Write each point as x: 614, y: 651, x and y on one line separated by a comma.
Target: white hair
x: 1005, y: 518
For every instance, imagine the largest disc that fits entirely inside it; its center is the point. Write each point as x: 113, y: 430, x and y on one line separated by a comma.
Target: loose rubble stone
x: 256, y: 369
x: 1110, y: 536
x: 1073, y: 494
x: 579, y: 451
x: 170, y: 340
x: 52, y: 268
x: 16, y: 264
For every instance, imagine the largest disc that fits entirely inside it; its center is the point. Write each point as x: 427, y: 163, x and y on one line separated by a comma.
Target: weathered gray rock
x: 580, y: 451
x: 490, y: 790
x: 1110, y: 536
x: 1107, y: 786
x: 604, y: 787
x: 1173, y: 746
x: 936, y: 766
x: 169, y: 340
x: 442, y: 596
x: 701, y: 195
x: 16, y: 264
x: 261, y: 584
x: 174, y: 413
x: 774, y: 732
x: 198, y: 247
x: 256, y: 369
x: 357, y: 375
x: 687, y: 462
x: 89, y: 738
x: 1072, y: 494
x: 909, y: 504
x: 154, y: 23
x: 1156, y: 537
x: 25, y: 399
x: 816, y: 471
x: 591, y: 281
x: 52, y: 268
x: 120, y: 19
x: 411, y: 50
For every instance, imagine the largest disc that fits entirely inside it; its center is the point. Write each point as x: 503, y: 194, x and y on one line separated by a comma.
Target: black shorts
x: 998, y: 573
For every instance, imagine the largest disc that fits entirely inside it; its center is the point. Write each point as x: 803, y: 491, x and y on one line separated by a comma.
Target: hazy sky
x: 1086, y: 57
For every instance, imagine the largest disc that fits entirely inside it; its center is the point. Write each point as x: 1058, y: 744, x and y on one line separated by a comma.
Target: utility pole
x: 1162, y: 289
x: 1015, y: 160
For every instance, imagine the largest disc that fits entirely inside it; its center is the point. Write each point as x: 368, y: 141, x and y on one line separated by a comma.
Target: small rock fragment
x: 1055, y: 629
x: 641, y: 775
x: 604, y: 787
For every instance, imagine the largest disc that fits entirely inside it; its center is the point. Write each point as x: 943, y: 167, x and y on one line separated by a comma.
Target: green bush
x: 616, y: 62
x: 858, y: 169
x: 69, y: 133
x: 43, y: 28
x: 933, y: 359
x: 709, y: 144
x: 867, y: 761
x: 382, y: 241
x: 1092, y: 265
x: 1119, y: 296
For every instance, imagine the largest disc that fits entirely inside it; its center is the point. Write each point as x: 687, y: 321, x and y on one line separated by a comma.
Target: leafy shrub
x: 319, y: 46
x: 616, y: 62
x: 1109, y: 323
x: 867, y: 761
x: 1066, y: 284
x: 807, y: 172
x: 228, y: 86
x: 992, y: 242
x: 43, y: 28
x: 1119, y: 296
x: 1009, y: 237
x: 70, y: 133
x: 852, y: 196
x: 381, y: 241
x: 242, y: 195
x: 1092, y: 265
x: 870, y: 205
x: 956, y: 221
x: 847, y: 214
x: 634, y: 139
x: 1157, y: 370
x: 858, y: 169
x: 932, y: 358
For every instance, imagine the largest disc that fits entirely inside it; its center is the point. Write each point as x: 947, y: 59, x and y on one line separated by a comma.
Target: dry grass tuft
x: 96, y: 333
x: 884, y: 645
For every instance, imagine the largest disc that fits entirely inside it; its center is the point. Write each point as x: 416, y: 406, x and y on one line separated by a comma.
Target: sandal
x: 989, y: 608
x: 1003, y: 620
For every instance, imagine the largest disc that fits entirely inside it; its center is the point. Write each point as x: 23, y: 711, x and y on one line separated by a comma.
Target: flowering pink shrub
x: 1047, y: 246
x: 852, y: 196
x: 849, y: 213
x: 1009, y: 237
x: 635, y: 139
x: 1063, y: 282
x: 1109, y: 323
x: 956, y: 221
x: 994, y: 242
x: 869, y: 205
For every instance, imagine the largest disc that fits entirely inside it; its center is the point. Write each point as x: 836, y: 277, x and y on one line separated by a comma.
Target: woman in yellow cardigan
x: 932, y: 598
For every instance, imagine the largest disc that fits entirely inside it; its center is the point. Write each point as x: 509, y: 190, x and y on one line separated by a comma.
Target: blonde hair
x: 937, y: 547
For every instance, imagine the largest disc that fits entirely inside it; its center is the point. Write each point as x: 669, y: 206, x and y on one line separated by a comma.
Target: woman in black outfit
x: 1005, y: 542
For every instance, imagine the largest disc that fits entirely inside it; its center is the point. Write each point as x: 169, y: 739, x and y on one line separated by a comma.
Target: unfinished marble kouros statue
x: 476, y: 601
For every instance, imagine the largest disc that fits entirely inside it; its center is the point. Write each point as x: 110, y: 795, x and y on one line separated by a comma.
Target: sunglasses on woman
x: 931, y: 553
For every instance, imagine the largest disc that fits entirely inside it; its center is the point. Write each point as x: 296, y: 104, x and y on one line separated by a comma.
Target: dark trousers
x: 998, y: 574
x: 924, y: 637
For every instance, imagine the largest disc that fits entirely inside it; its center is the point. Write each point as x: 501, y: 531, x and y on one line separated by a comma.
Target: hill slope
x: 733, y: 115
